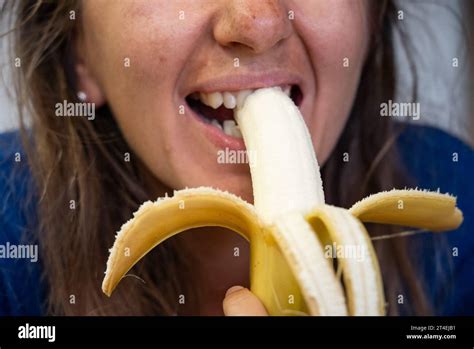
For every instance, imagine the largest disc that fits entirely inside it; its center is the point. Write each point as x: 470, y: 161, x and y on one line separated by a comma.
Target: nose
x: 257, y: 25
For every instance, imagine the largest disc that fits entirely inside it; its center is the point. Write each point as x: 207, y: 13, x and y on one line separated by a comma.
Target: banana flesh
x: 289, y: 225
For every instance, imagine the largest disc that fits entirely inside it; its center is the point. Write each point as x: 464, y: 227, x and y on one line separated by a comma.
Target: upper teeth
x: 231, y: 100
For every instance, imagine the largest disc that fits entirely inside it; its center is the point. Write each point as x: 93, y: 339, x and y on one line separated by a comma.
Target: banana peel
x: 289, y: 221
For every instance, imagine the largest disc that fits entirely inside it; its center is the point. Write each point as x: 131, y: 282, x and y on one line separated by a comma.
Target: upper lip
x: 239, y: 82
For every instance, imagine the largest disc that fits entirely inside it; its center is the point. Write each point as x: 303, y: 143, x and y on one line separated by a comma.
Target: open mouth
x: 217, y: 108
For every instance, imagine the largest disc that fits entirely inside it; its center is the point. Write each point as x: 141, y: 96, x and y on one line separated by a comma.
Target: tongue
x: 220, y: 114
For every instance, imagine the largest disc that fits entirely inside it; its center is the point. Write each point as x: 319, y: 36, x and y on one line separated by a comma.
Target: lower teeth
x: 231, y: 129
x: 237, y: 133
x: 216, y: 123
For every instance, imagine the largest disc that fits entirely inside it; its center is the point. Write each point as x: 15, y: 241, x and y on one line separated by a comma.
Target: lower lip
x: 215, y: 135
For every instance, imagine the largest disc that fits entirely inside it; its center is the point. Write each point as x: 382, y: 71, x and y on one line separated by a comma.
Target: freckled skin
x: 168, y: 56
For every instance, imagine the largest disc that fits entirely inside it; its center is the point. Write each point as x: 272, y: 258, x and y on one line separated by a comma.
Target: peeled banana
x: 289, y: 226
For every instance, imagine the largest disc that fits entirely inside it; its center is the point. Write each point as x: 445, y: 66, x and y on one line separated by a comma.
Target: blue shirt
x: 21, y: 289
x: 429, y: 154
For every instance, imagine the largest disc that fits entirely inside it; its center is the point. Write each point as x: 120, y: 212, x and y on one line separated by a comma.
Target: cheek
x: 336, y: 35
x: 137, y: 60
x: 137, y: 49
x: 130, y: 53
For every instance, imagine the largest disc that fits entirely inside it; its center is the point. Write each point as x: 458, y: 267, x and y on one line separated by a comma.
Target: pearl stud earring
x: 82, y: 96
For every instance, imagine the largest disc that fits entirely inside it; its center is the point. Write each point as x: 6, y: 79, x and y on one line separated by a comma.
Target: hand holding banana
x: 289, y: 221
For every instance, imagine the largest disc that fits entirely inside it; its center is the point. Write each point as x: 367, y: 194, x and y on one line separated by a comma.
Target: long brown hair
x: 73, y: 159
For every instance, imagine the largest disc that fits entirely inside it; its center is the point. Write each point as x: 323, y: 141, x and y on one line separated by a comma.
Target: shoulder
x: 14, y: 182
x: 436, y: 156
x: 19, y: 272
x: 437, y: 160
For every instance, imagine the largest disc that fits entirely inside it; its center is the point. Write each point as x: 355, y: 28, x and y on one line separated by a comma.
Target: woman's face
x: 145, y: 58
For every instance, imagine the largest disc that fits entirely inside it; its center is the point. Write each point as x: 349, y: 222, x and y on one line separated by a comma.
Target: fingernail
x: 233, y: 289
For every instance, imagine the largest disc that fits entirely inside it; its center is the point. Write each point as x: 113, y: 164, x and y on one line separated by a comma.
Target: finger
x: 239, y: 301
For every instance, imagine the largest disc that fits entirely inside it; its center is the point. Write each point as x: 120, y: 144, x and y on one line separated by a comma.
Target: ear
x: 86, y: 81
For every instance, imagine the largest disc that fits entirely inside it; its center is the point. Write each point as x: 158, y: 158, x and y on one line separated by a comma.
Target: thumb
x: 239, y: 301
